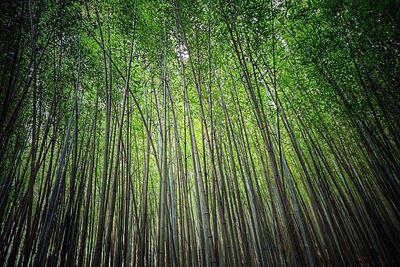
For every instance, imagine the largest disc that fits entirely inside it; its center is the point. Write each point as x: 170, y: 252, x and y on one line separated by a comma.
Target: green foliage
x: 248, y: 133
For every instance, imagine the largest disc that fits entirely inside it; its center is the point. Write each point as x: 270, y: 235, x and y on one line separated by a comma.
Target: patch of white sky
x: 182, y: 51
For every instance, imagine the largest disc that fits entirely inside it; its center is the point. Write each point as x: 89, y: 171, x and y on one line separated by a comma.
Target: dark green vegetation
x: 199, y: 133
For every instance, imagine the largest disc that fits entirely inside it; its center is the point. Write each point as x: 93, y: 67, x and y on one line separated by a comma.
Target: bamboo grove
x: 200, y: 133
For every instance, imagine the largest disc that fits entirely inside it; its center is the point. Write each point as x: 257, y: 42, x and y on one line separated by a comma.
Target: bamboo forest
x: 199, y: 133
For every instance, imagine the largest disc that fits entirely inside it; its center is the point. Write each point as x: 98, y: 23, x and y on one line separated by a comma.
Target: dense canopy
x: 199, y: 133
